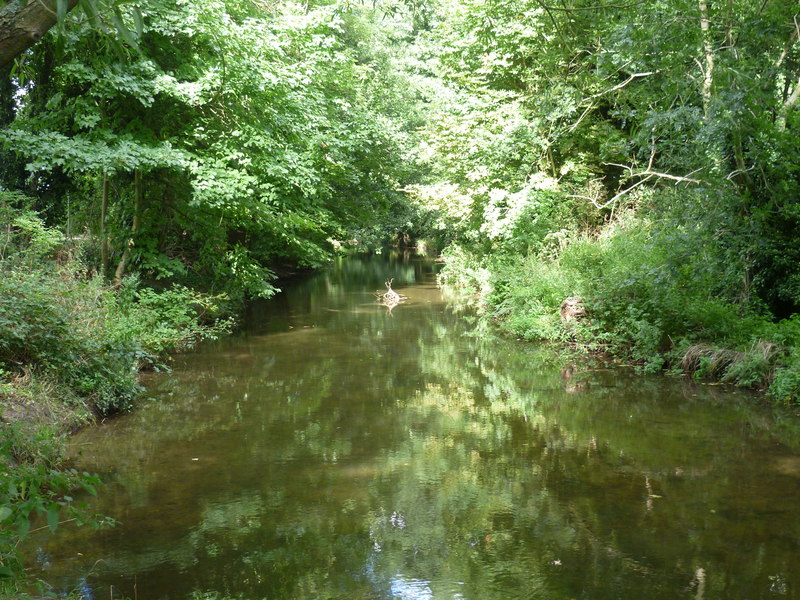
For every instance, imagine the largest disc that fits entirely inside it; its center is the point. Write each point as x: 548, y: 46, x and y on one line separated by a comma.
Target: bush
x: 661, y: 293
x: 785, y: 385
x: 75, y: 330
x: 163, y: 321
x: 60, y: 326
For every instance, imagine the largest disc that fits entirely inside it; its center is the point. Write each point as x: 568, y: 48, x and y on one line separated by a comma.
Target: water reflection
x: 335, y: 451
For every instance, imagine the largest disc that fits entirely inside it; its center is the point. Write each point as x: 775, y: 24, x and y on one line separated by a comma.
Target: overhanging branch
x: 24, y: 24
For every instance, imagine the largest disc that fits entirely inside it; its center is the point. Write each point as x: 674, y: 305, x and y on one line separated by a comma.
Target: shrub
x: 659, y: 292
x: 165, y: 321
x: 74, y: 329
x: 60, y: 325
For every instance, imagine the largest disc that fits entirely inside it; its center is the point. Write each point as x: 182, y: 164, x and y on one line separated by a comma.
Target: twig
x: 616, y: 197
x: 619, y: 86
x: 733, y: 174
x: 650, y: 173
x: 582, y: 117
x: 47, y: 526
x: 595, y: 7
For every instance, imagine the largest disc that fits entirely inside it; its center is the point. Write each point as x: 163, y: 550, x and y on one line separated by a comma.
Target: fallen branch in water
x: 390, y: 298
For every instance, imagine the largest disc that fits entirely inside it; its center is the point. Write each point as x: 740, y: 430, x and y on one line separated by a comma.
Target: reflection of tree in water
x: 360, y: 456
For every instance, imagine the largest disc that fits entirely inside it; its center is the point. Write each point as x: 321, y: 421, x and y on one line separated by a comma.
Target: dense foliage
x: 641, y: 157
x: 235, y: 140
x: 163, y: 162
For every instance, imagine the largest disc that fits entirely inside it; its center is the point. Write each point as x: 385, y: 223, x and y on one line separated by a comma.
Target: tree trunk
x: 708, y: 51
x: 22, y: 24
x: 137, y: 219
x: 790, y: 103
x: 103, y: 237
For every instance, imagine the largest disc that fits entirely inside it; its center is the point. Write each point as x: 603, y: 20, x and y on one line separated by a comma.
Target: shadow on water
x: 336, y: 450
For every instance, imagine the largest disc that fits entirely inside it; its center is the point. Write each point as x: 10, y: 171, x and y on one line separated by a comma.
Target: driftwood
x: 390, y: 298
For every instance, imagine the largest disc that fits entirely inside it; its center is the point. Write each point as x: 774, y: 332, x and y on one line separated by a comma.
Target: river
x: 338, y: 450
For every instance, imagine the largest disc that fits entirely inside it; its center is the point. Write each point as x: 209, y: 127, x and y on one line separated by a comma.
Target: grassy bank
x: 659, y: 291
x: 71, y: 347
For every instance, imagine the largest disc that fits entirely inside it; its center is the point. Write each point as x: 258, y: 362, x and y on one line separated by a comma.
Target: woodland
x: 162, y: 162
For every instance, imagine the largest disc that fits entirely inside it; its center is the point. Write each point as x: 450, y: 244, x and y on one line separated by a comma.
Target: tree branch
x: 708, y: 51
x: 618, y: 86
x: 783, y: 113
x: 574, y: 126
x: 650, y: 173
x: 789, y: 44
x: 616, y: 197
x: 24, y: 24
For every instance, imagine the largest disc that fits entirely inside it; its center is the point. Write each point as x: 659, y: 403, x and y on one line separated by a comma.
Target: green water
x: 337, y: 450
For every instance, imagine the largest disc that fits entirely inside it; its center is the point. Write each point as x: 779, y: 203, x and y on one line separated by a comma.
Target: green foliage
x: 161, y: 322
x: 561, y: 193
x: 785, y: 385
x: 599, y: 102
x: 25, y: 238
x: 85, y: 335
x: 260, y: 136
x: 62, y: 326
x: 35, y: 486
x: 649, y: 300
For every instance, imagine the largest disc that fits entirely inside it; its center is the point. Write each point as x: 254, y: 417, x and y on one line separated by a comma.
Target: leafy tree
x: 238, y: 140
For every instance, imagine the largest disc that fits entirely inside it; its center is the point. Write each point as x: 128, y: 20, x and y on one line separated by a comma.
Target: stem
x: 708, y: 50
x: 137, y: 217
x: 103, y: 238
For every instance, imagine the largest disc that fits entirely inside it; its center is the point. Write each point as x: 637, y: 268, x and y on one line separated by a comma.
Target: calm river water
x: 335, y: 450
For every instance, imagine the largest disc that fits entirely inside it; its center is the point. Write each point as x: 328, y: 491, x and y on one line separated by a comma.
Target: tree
x: 228, y: 141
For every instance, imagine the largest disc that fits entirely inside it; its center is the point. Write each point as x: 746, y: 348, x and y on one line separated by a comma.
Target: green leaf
x: 138, y: 21
x: 23, y: 527
x: 123, y: 30
x: 90, y: 9
x: 52, y: 518
x: 5, y: 512
x: 61, y: 11
x: 6, y: 572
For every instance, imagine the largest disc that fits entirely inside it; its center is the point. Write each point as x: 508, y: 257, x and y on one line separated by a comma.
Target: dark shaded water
x: 336, y: 451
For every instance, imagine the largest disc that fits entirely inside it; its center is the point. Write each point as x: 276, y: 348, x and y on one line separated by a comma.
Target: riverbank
x: 71, y: 347
x: 643, y: 300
